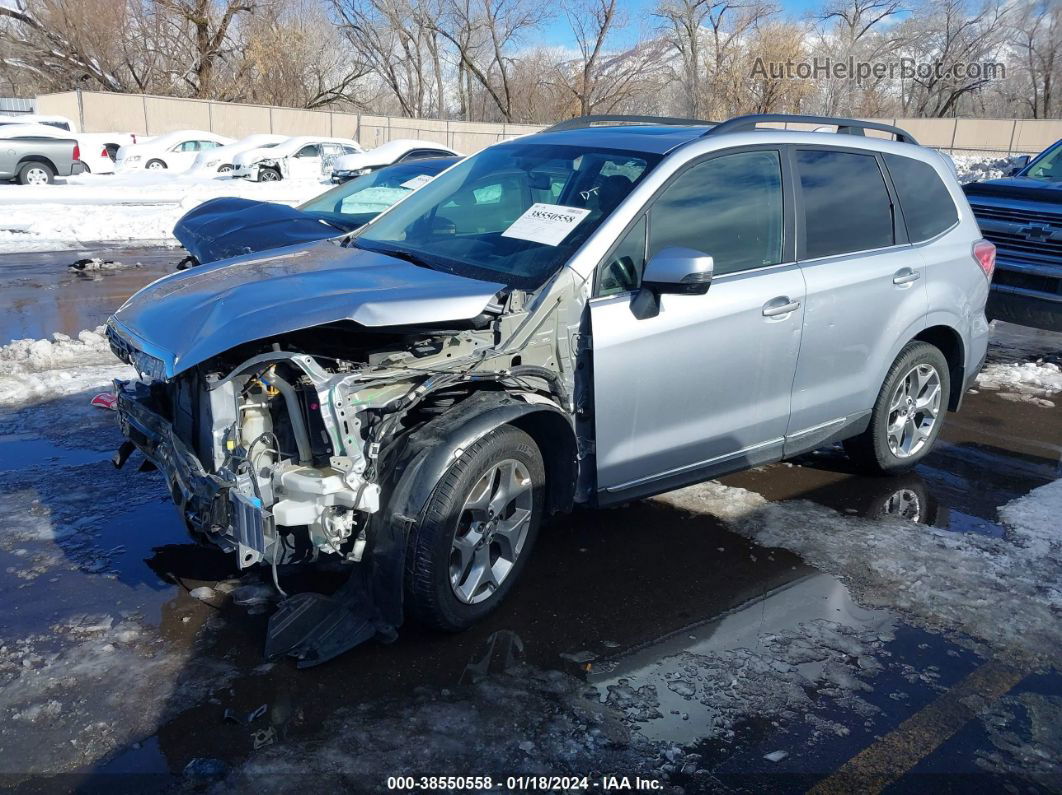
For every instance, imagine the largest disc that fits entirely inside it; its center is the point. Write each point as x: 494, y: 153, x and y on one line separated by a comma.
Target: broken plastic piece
x: 314, y: 628
x: 122, y: 455
x: 104, y: 400
x: 776, y: 756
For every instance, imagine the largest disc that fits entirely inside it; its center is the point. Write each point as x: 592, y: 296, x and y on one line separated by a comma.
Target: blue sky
x: 558, y: 34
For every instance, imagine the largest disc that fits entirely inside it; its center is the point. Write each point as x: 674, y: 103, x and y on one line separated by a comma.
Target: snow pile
x: 35, y: 370
x: 1005, y: 592
x: 973, y: 168
x: 122, y: 208
x: 1034, y: 382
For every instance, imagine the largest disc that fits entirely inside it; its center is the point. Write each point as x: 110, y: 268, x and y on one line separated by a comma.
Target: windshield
x: 372, y: 193
x: 1048, y: 166
x: 513, y: 213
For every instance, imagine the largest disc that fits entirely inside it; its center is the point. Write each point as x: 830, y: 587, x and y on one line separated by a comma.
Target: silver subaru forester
x: 607, y: 310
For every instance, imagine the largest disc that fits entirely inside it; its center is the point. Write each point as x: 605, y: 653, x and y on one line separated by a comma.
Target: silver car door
x: 704, y: 384
x: 865, y: 290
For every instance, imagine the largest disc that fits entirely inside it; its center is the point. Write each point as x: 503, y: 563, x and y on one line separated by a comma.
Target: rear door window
x: 927, y: 206
x: 846, y: 204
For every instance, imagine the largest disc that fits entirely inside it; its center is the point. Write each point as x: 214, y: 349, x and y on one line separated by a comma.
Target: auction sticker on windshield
x: 418, y: 181
x: 546, y: 223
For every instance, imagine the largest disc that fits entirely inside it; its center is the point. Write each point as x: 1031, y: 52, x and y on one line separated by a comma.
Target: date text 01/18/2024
x: 610, y: 783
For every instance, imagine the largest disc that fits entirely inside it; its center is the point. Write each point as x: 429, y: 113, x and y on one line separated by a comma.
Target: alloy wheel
x: 491, y: 530
x: 913, y: 410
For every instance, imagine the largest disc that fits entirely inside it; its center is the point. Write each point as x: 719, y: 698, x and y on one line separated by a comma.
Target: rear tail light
x: 77, y: 152
x: 985, y: 254
x: 103, y: 152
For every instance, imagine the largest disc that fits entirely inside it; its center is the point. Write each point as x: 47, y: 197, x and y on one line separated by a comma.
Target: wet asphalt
x: 613, y: 604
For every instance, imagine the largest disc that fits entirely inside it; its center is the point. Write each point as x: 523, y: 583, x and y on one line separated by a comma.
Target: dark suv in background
x: 1022, y: 214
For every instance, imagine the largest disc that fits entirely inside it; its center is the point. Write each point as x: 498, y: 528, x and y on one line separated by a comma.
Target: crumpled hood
x: 187, y: 317
x: 226, y: 227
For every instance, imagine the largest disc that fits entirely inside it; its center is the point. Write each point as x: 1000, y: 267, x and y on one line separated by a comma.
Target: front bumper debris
x: 212, y: 508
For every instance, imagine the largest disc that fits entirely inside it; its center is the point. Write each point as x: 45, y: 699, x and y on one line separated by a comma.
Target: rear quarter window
x: 927, y: 206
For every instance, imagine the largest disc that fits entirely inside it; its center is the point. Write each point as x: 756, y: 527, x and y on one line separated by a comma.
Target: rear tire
x: 907, y: 415
x: 36, y: 174
x: 476, y: 532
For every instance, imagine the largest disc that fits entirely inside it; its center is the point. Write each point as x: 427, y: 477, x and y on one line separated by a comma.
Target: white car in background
x: 220, y: 160
x: 175, y: 151
x: 58, y: 122
x: 301, y: 157
x: 97, y: 149
x: 400, y: 150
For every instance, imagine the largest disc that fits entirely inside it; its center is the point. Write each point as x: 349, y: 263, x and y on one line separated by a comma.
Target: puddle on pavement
x: 42, y: 295
x: 23, y: 451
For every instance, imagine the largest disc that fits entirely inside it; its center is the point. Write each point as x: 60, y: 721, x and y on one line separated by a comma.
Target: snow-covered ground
x: 1035, y: 382
x: 122, y: 208
x: 36, y: 370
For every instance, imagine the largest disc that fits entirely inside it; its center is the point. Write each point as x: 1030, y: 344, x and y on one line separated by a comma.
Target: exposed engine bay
x: 298, y: 439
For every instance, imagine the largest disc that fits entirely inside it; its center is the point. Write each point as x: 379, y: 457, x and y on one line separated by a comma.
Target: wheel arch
x: 416, y: 468
x: 36, y: 159
x: 949, y: 342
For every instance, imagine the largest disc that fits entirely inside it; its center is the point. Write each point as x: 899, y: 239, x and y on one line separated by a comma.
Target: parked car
x: 175, y: 151
x: 37, y: 160
x: 301, y: 157
x: 57, y: 122
x: 585, y: 316
x: 227, y: 227
x: 97, y: 149
x: 1022, y: 214
x: 398, y: 151
x: 219, y: 160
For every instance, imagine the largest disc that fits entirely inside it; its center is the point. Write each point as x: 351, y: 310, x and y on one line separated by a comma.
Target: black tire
x: 156, y: 165
x: 27, y: 171
x: 430, y: 597
x: 870, y: 450
x: 269, y: 175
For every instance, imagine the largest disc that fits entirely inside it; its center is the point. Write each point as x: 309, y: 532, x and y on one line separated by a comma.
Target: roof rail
x: 848, y: 126
x: 582, y: 122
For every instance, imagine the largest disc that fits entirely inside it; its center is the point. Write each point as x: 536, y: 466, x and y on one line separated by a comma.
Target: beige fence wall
x: 149, y: 115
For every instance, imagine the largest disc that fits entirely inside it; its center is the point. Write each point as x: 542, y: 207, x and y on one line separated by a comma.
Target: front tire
x: 268, y: 175
x: 908, y: 413
x: 36, y: 174
x: 476, y: 532
x: 155, y: 165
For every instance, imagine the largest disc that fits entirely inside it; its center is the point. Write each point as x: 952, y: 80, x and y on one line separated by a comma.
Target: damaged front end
x: 289, y: 447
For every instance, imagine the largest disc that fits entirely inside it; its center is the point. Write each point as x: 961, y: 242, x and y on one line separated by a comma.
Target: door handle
x: 780, y: 306
x: 906, y: 276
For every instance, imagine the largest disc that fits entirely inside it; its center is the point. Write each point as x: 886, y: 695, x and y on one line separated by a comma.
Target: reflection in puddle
x: 762, y: 660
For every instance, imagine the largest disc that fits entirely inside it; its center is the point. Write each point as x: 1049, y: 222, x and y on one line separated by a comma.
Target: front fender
x: 426, y: 455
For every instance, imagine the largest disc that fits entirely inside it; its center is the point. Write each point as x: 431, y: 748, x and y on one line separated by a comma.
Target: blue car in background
x: 228, y: 227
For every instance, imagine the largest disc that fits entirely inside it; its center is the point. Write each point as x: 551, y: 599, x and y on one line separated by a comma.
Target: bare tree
x: 202, y: 27
x: 1036, y: 34
x: 946, y: 37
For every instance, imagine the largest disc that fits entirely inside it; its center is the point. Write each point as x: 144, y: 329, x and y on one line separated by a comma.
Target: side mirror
x: 685, y: 271
x: 1017, y: 164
